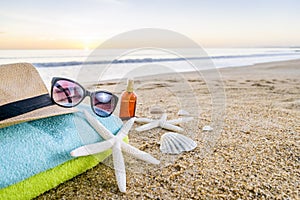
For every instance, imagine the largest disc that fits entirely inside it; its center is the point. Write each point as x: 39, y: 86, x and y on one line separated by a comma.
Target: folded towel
x: 35, y: 155
x: 44, y: 181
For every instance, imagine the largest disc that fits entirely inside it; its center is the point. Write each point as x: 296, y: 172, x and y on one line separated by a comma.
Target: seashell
x: 183, y: 113
x: 157, y: 110
x: 207, y: 128
x: 175, y: 143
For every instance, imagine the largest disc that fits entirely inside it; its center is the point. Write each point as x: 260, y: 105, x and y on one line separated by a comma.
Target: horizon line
x: 210, y: 47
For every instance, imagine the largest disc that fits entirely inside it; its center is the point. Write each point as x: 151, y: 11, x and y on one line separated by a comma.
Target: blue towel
x: 30, y: 148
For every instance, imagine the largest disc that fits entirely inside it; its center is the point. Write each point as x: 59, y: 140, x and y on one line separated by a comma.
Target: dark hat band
x: 24, y: 106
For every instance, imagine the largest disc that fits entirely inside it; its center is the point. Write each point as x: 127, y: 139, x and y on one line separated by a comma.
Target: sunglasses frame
x: 86, y: 93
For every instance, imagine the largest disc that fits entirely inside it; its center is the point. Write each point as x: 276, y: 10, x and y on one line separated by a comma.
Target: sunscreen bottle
x: 128, y: 102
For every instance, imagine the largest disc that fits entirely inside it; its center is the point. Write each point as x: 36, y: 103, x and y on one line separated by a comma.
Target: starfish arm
x: 92, y: 148
x: 143, y: 120
x: 101, y: 130
x: 139, y: 154
x: 163, y: 118
x: 119, y: 166
x: 125, y: 128
x: 149, y: 126
x: 180, y: 120
x: 172, y: 127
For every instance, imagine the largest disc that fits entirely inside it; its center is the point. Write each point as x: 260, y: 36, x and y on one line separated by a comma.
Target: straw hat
x: 24, y: 96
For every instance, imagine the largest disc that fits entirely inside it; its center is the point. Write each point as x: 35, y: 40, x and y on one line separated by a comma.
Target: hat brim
x: 44, y: 112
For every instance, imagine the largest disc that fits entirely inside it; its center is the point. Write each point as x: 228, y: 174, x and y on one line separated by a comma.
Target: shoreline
x: 222, y: 69
x: 242, y: 72
x: 72, y: 72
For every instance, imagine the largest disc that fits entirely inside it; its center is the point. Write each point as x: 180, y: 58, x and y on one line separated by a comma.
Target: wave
x: 150, y: 60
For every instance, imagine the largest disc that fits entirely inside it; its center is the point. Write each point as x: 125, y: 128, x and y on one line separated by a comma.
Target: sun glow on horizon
x: 44, y: 25
x: 88, y: 43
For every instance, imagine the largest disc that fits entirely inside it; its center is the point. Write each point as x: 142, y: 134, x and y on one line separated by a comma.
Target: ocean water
x: 68, y: 63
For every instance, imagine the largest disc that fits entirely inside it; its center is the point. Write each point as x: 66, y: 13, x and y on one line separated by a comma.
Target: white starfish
x: 163, y: 123
x: 116, y: 143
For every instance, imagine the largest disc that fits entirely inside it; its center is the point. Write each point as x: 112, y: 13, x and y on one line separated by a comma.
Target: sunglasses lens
x: 103, y: 103
x: 66, y: 93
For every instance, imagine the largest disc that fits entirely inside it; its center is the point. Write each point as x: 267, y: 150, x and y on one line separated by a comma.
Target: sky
x: 85, y: 24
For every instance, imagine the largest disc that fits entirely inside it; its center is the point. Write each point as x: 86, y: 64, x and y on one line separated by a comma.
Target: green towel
x: 42, y: 182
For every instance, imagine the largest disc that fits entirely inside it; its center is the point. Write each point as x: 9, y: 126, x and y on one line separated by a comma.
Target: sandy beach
x: 255, y: 156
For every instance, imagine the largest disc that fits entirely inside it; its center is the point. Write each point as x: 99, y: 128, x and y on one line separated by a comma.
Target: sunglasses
x: 68, y: 93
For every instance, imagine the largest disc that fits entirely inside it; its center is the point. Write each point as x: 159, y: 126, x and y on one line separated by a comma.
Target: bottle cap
x: 130, y: 83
